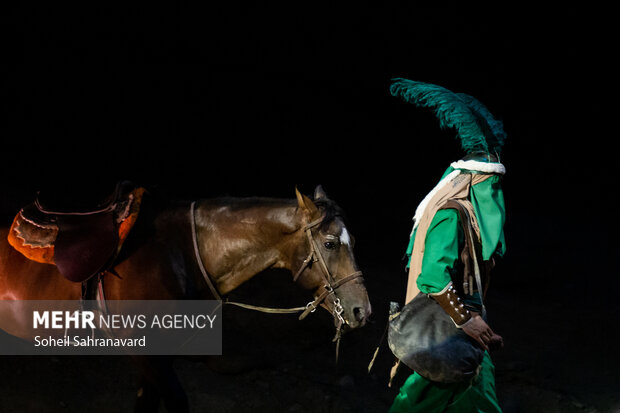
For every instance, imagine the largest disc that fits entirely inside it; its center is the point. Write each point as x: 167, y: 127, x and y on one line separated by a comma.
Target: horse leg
x: 159, y: 381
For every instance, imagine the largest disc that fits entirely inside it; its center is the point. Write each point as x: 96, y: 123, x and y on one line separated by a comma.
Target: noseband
x: 331, y: 284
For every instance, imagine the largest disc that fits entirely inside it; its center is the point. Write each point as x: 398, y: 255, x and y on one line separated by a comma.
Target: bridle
x: 331, y: 284
x: 330, y: 287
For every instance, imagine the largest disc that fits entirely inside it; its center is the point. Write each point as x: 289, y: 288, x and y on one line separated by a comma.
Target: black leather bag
x: 425, y: 339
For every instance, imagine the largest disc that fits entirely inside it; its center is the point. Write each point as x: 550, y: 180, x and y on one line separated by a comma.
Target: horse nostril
x: 359, y: 314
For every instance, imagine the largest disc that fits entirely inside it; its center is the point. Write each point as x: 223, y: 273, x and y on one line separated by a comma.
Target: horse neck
x: 242, y: 237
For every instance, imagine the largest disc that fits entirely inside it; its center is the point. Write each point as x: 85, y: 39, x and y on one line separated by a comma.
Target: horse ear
x: 319, y: 193
x: 306, y: 204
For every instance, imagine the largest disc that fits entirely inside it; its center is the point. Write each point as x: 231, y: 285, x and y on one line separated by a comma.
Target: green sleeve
x: 445, y: 235
x: 441, y: 251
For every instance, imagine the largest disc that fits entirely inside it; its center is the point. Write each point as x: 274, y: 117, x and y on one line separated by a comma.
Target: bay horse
x: 206, y: 249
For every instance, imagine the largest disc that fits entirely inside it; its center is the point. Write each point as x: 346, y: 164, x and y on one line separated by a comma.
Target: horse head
x: 326, y: 263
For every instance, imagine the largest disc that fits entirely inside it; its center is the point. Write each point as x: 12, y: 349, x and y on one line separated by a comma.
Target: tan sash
x: 457, y: 189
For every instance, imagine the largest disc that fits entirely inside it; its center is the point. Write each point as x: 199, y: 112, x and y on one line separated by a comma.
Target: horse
x: 205, y: 250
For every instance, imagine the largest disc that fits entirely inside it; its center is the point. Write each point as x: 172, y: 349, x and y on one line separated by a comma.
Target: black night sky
x: 254, y: 99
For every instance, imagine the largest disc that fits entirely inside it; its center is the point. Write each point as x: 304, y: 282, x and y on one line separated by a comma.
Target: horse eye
x: 329, y: 245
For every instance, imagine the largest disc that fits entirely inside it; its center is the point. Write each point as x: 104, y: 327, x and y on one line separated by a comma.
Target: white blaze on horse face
x: 344, y: 237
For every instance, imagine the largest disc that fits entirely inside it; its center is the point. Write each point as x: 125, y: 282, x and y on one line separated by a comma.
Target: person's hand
x: 480, y: 331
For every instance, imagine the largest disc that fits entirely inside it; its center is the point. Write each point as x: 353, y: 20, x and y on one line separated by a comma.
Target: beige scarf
x: 455, y: 186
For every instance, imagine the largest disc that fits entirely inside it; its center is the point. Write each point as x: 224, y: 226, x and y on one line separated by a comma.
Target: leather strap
x: 205, y: 275
x: 451, y: 303
x: 472, y: 246
x: 329, y: 289
x: 312, y: 255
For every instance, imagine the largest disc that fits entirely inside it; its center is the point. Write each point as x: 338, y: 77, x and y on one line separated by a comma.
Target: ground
x: 277, y: 363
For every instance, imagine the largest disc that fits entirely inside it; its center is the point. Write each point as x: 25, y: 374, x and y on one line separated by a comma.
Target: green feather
x: 476, y: 128
x: 493, y: 129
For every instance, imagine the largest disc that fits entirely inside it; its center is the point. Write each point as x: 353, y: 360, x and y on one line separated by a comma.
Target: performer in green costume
x: 437, y: 240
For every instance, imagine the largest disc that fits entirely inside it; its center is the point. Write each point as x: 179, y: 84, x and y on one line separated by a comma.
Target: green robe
x: 443, y: 240
x: 445, y: 235
x: 420, y: 395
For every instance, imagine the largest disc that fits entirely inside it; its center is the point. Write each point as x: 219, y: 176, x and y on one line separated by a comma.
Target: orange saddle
x: 81, y: 244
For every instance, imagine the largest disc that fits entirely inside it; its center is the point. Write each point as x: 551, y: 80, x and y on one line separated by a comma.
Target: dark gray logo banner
x: 153, y: 327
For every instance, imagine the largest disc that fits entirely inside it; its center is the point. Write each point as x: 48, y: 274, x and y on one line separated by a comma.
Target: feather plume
x: 475, y: 126
x: 493, y: 128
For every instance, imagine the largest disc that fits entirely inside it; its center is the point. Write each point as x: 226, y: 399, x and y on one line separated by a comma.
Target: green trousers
x: 476, y: 396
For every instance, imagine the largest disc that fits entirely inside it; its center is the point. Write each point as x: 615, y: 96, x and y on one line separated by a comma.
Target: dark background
x: 255, y: 99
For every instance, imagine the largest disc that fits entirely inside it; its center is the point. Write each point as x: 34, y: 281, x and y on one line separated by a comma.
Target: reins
x: 313, y: 256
